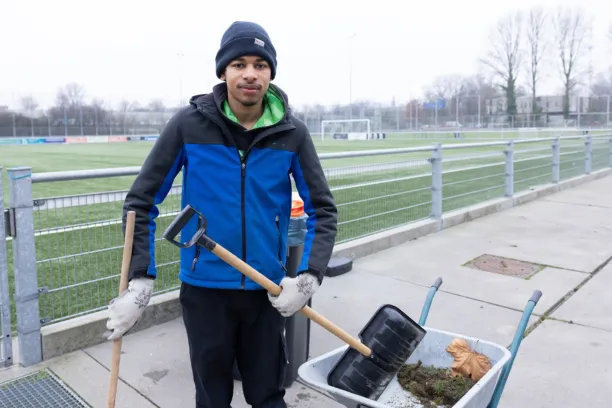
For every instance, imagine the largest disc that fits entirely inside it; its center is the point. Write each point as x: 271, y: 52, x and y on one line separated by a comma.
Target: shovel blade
x: 392, y: 336
x: 181, y: 220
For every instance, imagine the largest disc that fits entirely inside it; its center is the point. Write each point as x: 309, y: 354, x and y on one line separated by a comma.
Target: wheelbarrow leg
x: 430, y: 295
x: 518, y: 338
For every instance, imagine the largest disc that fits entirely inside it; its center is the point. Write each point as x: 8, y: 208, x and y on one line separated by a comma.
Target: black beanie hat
x: 245, y: 38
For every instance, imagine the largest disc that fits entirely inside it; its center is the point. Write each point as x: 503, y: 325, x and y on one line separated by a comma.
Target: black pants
x: 223, y: 325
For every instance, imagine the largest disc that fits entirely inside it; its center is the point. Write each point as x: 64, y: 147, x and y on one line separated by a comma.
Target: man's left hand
x: 295, y: 294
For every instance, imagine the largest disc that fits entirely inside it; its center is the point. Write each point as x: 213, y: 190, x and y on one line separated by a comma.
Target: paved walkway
x: 564, y: 362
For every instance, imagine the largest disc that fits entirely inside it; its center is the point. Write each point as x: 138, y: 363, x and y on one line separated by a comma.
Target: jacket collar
x: 212, y: 102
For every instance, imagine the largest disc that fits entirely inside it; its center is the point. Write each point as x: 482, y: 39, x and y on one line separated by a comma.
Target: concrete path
x: 564, y: 361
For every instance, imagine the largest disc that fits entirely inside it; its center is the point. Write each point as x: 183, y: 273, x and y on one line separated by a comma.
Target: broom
x: 123, y: 284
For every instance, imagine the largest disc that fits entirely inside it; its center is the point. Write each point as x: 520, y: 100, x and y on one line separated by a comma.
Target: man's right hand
x: 125, y: 310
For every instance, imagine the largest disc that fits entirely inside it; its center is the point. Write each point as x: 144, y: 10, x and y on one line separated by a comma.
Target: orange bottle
x: 297, y: 205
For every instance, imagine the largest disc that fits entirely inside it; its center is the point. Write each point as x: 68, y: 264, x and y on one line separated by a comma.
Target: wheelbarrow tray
x: 431, y: 352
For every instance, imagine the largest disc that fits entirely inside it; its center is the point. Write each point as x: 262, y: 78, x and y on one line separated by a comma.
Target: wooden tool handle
x: 274, y: 289
x: 123, y: 284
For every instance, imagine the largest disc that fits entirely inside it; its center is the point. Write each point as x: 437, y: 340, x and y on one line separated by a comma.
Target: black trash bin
x: 297, y: 327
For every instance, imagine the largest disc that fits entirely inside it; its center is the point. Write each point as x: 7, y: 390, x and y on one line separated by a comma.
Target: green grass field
x: 80, y: 266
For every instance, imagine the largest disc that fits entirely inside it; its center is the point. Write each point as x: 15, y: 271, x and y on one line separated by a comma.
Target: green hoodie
x: 274, y: 110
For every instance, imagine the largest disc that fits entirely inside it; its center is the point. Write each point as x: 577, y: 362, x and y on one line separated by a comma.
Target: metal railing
x: 66, y: 250
x: 6, y: 341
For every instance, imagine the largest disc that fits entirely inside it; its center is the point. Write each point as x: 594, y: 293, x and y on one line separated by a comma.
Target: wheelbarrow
x: 486, y: 393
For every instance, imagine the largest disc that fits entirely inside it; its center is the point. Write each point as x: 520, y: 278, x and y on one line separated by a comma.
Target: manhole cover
x: 504, y: 266
x: 41, y: 389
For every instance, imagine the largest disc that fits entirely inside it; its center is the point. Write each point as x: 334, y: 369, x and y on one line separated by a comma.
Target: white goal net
x: 348, y: 129
x: 528, y: 133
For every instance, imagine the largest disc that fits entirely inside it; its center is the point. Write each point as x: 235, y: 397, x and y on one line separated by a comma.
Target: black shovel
x: 365, y: 369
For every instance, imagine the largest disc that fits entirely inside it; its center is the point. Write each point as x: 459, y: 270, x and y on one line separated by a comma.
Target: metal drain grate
x: 504, y: 266
x: 41, y: 389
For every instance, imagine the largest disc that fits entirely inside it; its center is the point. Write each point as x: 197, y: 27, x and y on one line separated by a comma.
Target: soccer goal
x: 346, y: 129
x: 528, y: 133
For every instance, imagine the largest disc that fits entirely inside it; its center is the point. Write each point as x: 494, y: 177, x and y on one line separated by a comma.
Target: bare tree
x: 124, y: 107
x: 446, y: 86
x: 156, y: 105
x: 602, y: 85
x: 73, y: 93
x: 476, y: 91
x: 70, y: 96
x: 29, y: 104
x: 100, y: 115
x: 449, y: 89
x: 61, y: 99
x: 536, y: 34
x: 571, y: 37
x: 505, y: 56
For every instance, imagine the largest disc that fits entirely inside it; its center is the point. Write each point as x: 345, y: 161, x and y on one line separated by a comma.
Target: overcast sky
x: 128, y: 49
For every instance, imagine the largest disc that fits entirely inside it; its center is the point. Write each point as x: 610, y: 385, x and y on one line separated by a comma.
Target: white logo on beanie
x: 259, y: 42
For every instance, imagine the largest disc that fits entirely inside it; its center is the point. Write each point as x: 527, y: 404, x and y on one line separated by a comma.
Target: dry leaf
x: 467, y: 362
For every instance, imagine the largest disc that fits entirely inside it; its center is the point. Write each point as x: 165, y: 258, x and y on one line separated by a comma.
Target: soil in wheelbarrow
x: 434, y: 387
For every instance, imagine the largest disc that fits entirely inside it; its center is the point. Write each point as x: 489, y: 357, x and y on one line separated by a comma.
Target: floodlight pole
x: 180, y: 56
x: 351, y: 75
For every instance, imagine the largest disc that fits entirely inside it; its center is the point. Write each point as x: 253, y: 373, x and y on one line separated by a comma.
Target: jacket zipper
x: 243, y: 215
x: 243, y: 161
x: 279, y: 244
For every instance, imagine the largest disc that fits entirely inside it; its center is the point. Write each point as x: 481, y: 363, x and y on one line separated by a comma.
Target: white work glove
x: 295, y: 293
x: 125, y: 310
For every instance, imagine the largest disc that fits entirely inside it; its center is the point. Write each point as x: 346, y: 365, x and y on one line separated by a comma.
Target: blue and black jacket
x: 240, y: 180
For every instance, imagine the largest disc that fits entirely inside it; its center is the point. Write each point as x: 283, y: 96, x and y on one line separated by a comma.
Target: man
x: 237, y: 148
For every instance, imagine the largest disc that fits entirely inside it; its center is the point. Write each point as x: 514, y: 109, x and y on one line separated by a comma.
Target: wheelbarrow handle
x: 274, y: 289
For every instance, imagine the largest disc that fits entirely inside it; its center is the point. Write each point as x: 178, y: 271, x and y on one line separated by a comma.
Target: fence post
x: 556, y: 160
x: 6, y: 342
x: 588, y: 154
x: 436, y: 182
x: 24, y: 266
x: 509, y: 152
x: 611, y: 152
